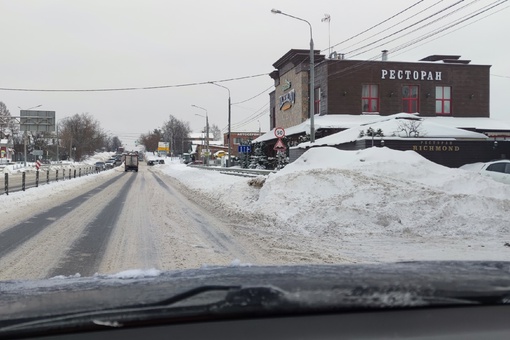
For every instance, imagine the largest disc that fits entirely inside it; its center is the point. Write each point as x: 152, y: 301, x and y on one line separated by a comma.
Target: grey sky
x: 95, y: 44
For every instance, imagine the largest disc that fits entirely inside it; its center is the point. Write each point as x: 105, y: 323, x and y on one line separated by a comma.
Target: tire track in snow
x: 86, y: 253
x: 15, y: 236
x: 220, y: 241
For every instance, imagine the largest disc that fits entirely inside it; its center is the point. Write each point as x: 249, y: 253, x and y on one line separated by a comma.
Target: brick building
x: 444, y: 88
x: 238, y: 138
x: 433, y: 86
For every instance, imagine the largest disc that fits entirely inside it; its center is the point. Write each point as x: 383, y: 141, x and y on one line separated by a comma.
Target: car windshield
x: 139, y: 139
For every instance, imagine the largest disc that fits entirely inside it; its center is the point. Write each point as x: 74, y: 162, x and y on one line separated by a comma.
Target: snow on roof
x: 391, y: 126
x: 345, y: 121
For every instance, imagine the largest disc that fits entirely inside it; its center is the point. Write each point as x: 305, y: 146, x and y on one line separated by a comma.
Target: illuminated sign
x: 411, y: 75
x: 287, y: 100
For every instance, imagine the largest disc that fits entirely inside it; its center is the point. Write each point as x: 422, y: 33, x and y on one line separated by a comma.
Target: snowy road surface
x: 120, y: 221
x: 329, y: 206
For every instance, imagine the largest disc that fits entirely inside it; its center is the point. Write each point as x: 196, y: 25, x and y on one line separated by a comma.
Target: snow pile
x: 333, y: 193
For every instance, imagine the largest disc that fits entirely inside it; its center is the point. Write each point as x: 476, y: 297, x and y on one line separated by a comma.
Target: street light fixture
x: 207, y: 130
x: 312, y: 74
x: 229, y: 121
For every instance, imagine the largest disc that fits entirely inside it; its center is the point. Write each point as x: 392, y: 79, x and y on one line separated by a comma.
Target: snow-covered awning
x: 346, y: 121
x: 401, y: 125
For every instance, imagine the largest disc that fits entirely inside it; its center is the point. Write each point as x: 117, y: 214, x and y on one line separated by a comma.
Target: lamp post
x: 26, y: 136
x: 312, y: 74
x: 206, y: 129
x: 229, y: 122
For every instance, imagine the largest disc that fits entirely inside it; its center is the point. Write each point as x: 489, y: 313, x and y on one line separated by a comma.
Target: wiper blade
x: 234, y: 298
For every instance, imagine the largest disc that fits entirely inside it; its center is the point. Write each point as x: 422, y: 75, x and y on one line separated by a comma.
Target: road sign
x: 244, y: 148
x: 279, y: 132
x: 37, y: 165
x: 280, y: 146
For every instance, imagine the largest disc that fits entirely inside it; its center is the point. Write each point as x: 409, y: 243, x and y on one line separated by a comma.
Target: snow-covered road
x: 329, y: 206
x: 116, y: 222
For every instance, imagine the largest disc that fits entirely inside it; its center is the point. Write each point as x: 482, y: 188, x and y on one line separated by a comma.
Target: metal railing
x: 21, y: 181
x: 236, y: 171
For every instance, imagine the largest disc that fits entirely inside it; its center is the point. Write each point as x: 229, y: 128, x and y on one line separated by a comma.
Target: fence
x: 32, y: 179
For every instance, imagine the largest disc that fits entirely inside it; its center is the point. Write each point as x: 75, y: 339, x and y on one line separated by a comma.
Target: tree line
x: 75, y: 137
x: 175, y: 132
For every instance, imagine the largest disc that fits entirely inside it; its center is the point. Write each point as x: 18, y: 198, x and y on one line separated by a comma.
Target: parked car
x: 109, y: 164
x: 100, y: 166
x: 497, y: 170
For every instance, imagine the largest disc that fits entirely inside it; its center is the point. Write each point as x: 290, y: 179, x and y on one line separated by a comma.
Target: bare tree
x: 410, y: 127
x: 150, y: 140
x: 177, y: 133
x: 8, y: 126
x: 215, y: 130
x: 81, y: 135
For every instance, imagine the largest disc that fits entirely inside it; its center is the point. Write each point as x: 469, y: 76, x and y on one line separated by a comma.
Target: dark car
x: 100, y: 166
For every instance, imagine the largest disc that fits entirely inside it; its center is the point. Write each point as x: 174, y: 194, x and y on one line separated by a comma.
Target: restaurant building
x: 445, y: 89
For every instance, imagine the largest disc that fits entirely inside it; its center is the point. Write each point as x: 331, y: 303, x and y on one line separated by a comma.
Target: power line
x: 366, y: 63
x: 134, y: 88
x: 488, y: 15
x: 261, y: 93
x: 458, y: 22
x: 405, y: 28
x: 419, y: 28
x: 392, y: 26
x: 376, y: 25
x: 500, y: 76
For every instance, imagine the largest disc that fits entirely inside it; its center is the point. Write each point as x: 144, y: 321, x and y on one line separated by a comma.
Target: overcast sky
x: 99, y: 44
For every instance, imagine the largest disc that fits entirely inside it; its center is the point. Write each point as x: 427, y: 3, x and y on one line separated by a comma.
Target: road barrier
x: 31, y: 179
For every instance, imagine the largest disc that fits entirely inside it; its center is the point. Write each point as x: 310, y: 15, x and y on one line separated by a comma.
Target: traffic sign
x: 279, y: 132
x: 280, y: 146
x: 244, y: 148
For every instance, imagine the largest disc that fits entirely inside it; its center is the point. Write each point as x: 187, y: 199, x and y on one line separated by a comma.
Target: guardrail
x: 236, y: 171
x: 32, y: 179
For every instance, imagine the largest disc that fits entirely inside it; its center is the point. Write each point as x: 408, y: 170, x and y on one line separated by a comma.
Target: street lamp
x: 229, y: 122
x: 206, y: 129
x: 312, y: 74
x: 26, y: 136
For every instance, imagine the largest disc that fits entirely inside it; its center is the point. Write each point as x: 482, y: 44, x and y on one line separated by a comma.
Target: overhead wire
x: 468, y: 24
x: 133, y: 88
x: 420, y: 27
x: 366, y: 62
x: 376, y: 25
x: 405, y: 28
x: 447, y: 27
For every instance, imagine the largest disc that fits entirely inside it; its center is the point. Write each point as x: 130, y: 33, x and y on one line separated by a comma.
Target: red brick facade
x: 339, y: 87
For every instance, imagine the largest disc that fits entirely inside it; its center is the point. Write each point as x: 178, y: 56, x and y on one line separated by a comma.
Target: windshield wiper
x: 212, y: 302
x: 232, y: 299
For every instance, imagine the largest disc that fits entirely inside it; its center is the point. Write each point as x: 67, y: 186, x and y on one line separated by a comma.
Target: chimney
x: 385, y: 55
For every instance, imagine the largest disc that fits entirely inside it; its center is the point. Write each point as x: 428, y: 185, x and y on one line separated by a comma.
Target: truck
x: 131, y: 162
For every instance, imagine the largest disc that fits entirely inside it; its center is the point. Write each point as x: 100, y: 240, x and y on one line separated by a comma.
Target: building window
x: 238, y: 140
x: 443, y: 100
x: 410, y: 98
x: 317, y: 101
x: 370, y: 98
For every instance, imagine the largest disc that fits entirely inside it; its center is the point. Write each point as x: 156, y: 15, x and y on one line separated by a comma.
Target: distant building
x: 238, y: 138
